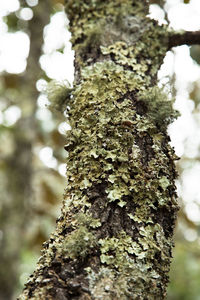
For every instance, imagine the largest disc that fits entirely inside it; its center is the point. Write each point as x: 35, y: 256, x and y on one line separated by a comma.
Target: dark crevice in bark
x: 165, y: 218
x: 68, y: 277
x: 145, y: 144
x: 113, y: 217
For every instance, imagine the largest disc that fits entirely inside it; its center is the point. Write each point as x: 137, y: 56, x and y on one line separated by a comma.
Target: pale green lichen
x: 97, y: 10
x: 87, y: 220
x: 159, y: 106
x: 128, y: 265
x: 102, y: 24
x: 164, y: 182
x: 58, y: 94
x: 95, y: 106
x: 119, y: 158
x: 108, y: 128
x: 116, y: 251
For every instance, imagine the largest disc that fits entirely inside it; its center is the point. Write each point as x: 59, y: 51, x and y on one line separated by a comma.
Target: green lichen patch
x: 127, y: 265
x: 116, y: 141
x: 87, y: 220
x: 109, y: 139
x: 116, y: 251
x: 102, y: 24
x: 159, y: 106
x: 91, y: 11
x: 140, y: 59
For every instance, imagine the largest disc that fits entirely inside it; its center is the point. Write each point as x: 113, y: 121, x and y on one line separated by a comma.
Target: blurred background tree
x: 32, y: 137
x: 30, y: 190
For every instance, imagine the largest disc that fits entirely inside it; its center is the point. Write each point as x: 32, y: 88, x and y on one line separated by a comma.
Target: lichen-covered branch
x: 114, y: 237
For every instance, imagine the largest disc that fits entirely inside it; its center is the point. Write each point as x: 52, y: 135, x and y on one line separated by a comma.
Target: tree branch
x: 185, y: 38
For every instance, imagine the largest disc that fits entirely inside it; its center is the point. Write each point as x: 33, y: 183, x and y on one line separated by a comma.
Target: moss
x: 79, y: 243
x: 81, y: 240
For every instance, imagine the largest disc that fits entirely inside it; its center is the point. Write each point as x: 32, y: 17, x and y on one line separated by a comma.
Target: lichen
x: 97, y: 10
x: 119, y: 206
x: 96, y: 104
x: 159, y: 106
x: 58, y: 94
x: 132, y: 264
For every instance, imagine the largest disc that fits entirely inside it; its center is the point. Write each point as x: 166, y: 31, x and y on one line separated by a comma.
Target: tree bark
x: 185, y: 37
x: 114, y: 237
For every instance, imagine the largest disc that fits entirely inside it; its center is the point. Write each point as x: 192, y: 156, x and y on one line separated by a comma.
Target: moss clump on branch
x: 80, y: 241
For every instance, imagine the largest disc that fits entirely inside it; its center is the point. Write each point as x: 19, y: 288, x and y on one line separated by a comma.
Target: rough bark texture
x: 114, y: 237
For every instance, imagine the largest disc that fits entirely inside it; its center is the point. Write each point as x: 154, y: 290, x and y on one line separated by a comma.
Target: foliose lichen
x: 119, y: 206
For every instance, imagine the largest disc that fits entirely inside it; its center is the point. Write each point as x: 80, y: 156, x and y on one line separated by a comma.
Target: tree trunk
x: 114, y: 237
